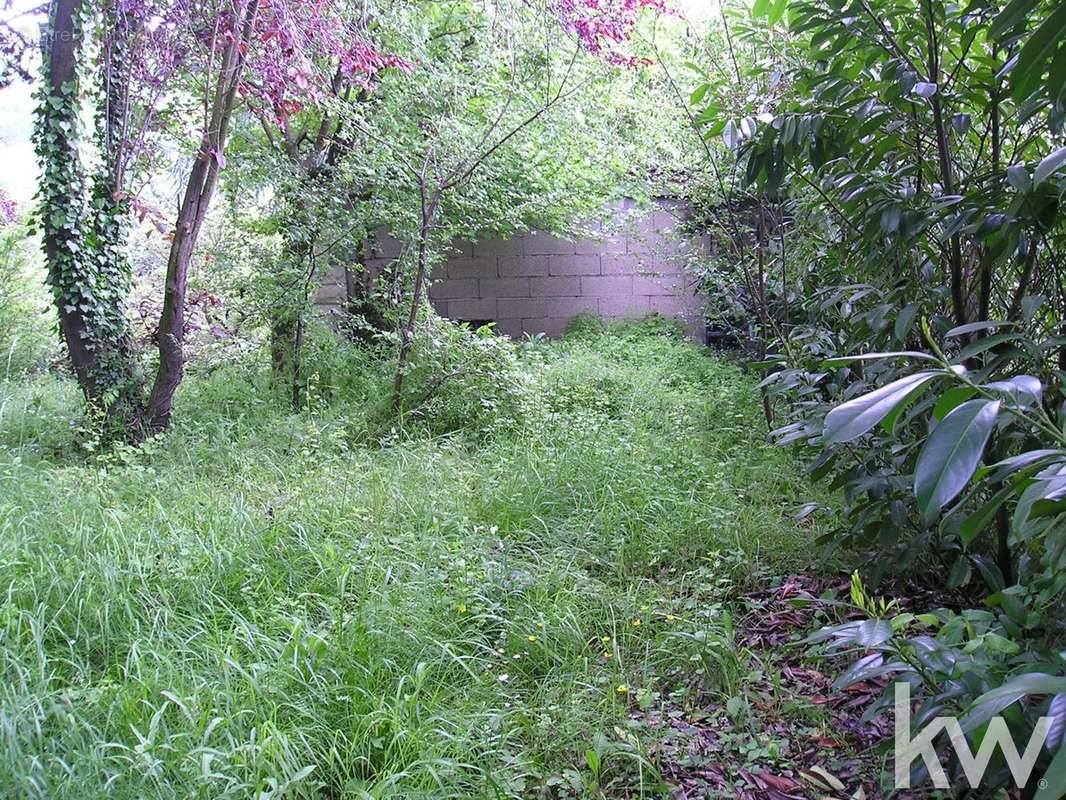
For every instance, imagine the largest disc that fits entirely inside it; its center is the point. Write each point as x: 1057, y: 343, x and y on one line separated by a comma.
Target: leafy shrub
x: 459, y: 379
x: 908, y: 183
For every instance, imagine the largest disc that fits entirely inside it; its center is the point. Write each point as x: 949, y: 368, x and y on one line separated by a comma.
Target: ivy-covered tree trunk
x: 84, y: 237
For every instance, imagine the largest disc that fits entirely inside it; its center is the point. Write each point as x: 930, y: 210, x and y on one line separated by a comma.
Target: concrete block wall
x: 536, y: 282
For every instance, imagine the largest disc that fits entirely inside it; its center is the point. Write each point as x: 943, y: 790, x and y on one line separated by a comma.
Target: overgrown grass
x: 273, y: 605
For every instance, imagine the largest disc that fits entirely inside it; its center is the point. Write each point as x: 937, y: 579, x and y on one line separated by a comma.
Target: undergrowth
x: 270, y: 605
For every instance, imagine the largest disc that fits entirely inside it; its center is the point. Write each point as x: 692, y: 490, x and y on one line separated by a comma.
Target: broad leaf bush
x: 900, y: 168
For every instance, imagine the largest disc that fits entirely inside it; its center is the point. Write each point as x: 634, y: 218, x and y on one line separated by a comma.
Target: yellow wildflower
x: 622, y: 689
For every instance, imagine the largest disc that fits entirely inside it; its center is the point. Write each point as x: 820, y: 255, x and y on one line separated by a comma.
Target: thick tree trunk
x: 84, y: 244
x: 63, y: 209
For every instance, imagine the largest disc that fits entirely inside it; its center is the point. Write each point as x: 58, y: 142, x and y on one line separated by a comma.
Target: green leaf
x: 1049, y: 165
x: 731, y: 135
x: 1053, y: 785
x: 992, y: 702
x: 989, y: 342
x: 1037, y: 49
x: 951, y: 399
x: 699, y: 94
x: 971, y: 327
x: 1015, y: 12
x: 980, y: 519
x: 855, y: 417
x: 905, y: 321
x: 841, y: 361
x: 777, y: 12
x: 890, y: 219
x: 1018, y: 177
x: 1057, y: 713
x: 1015, y: 463
x: 889, y: 422
x: 960, y: 572
x: 951, y: 454
x: 1053, y: 488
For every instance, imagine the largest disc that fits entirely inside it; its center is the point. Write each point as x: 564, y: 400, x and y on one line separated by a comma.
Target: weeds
x: 271, y: 605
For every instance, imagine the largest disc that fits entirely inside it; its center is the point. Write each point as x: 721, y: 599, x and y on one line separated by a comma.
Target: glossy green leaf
x: 952, y: 399
x: 1049, y: 165
x: 951, y: 454
x: 995, y: 700
x: 855, y: 417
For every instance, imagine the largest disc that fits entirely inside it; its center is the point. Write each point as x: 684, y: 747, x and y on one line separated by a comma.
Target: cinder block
x: 670, y: 265
x: 331, y: 292
x: 459, y: 289
x: 385, y: 245
x: 606, y: 285
x: 484, y: 267
x: 664, y: 221
x: 618, y: 265
x: 504, y: 287
x: 335, y: 274
x: 520, y: 266
x: 646, y: 243
x: 461, y: 249
x: 674, y: 306
x: 521, y: 307
x: 555, y: 287
x: 441, y: 307
x: 658, y: 285
x: 545, y: 244
x: 574, y: 265
x: 552, y: 327
x: 375, y: 266
x: 481, y: 308
x: 531, y: 307
x: 610, y: 245
x: 569, y: 306
x: 509, y: 327
x: 634, y: 305
x: 499, y: 247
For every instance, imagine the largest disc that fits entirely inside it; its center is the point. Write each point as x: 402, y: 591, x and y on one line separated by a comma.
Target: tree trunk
x: 62, y: 208
x: 84, y: 245
x: 195, y: 203
x: 407, y: 329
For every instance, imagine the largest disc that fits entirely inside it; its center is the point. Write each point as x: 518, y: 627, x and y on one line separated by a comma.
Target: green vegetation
x: 272, y: 604
x: 400, y: 557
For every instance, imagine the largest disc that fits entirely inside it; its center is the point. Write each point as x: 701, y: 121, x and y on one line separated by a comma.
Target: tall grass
x: 270, y: 605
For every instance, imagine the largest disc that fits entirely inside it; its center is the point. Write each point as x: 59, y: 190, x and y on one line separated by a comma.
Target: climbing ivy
x: 83, y: 227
